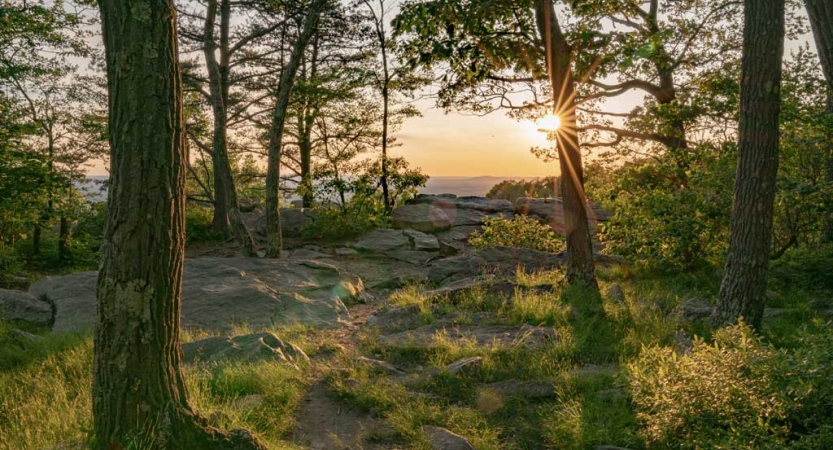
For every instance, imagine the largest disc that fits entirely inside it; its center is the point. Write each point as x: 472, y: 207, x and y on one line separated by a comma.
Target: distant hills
x: 460, y: 186
x: 95, y: 190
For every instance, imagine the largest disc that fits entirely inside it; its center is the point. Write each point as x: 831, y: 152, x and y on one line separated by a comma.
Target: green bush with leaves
x: 657, y: 224
x: 736, y: 393
x: 520, y: 231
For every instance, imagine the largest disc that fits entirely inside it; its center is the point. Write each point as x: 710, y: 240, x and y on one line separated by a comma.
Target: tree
x: 821, y: 20
x: 139, y: 395
x: 485, y: 50
x: 276, y: 128
x: 743, y: 289
x: 229, y: 63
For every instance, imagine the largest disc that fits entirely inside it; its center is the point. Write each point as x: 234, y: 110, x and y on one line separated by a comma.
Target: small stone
x: 443, y: 439
x: 248, y: 401
x: 684, y: 343
x: 615, y: 293
x: 344, y: 251
x: 465, y: 366
x: 380, y: 365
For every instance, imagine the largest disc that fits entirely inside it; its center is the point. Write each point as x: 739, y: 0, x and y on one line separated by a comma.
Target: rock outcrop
x: 220, y: 292
x: 22, y: 306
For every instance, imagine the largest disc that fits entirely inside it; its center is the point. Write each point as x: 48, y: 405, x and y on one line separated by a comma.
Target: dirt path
x: 323, y: 422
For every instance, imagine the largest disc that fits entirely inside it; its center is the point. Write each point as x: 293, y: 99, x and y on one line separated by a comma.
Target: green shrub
x: 659, y: 225
x: 520, y: 231
x: 736, y: 393
x: 198, y: 224
x: 806, y: 267
x: 340, y: 222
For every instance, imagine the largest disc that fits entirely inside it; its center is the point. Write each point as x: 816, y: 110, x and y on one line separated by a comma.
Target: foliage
x: 198, y: 225
x: 736, y: 392
x: 806, y: 267
x: 357, y: 191
x: 512, y: 190
x: 520, y: 231
x: 656, y: 224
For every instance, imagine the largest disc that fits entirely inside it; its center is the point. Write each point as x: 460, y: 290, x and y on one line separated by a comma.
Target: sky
x: 453, y: 144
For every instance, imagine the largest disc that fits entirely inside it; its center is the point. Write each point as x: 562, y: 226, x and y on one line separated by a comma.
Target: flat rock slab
x: 220, y: 292
x: 526, y: 336
x: 250, y: 347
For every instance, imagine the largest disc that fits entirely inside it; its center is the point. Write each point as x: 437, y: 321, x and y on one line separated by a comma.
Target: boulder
x: 246, y: 348
x: 19, y: 305
x: 421, y: 217
x: 442, y: 439
x: 694, y: 310
x: 422, y: 241
x: 464, y: 211
x: 292, y: 221
x: 382, y: 240
x: 219, y: 292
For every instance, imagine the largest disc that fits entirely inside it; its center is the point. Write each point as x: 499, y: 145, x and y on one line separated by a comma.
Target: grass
x: 45, y: 391
x: 44, y: 385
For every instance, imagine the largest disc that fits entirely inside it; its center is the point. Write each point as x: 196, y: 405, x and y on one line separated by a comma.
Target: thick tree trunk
x: 580, y: 266
x: 138, y: 391
x: 742, y: 292
x: 227, y: 215
x: 274, y: 241
x: 820, y: 13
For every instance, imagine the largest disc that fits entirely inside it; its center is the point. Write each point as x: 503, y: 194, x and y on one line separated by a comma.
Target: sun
x: 550, y: 122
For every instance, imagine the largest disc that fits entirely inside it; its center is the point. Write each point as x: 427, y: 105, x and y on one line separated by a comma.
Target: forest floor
x: 538, y: 366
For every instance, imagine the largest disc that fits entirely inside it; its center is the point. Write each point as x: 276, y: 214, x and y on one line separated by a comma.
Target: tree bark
x: 580, y: 266
x: 743, y: 289
x: 820, y: 13
x: 274, y: 241
x: 139, y: 395
x: 64, y: 235
x: 383, y: 47
x: 227, y: 215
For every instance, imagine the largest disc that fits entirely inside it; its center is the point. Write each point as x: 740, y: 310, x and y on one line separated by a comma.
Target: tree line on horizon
x: 292, y: 79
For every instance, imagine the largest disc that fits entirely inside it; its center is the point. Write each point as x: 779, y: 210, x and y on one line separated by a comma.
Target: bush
x: 512, y: 190
x: 521, y: 232
x: 659, y: 225
x: 736, y: 393
x: 806, y: 267
x: 339, y: 222
x: 198, y: 224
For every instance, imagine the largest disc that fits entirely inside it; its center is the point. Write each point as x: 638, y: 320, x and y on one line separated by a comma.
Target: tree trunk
x: 742, y: 292
x: 64, y: 235
x: 383, y: 47
x: 580, y: 266
x: 273, y: 217
x: 820, y: 13
x: 139, y: 396
x: 226, y: 205
x: 36, y: 239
